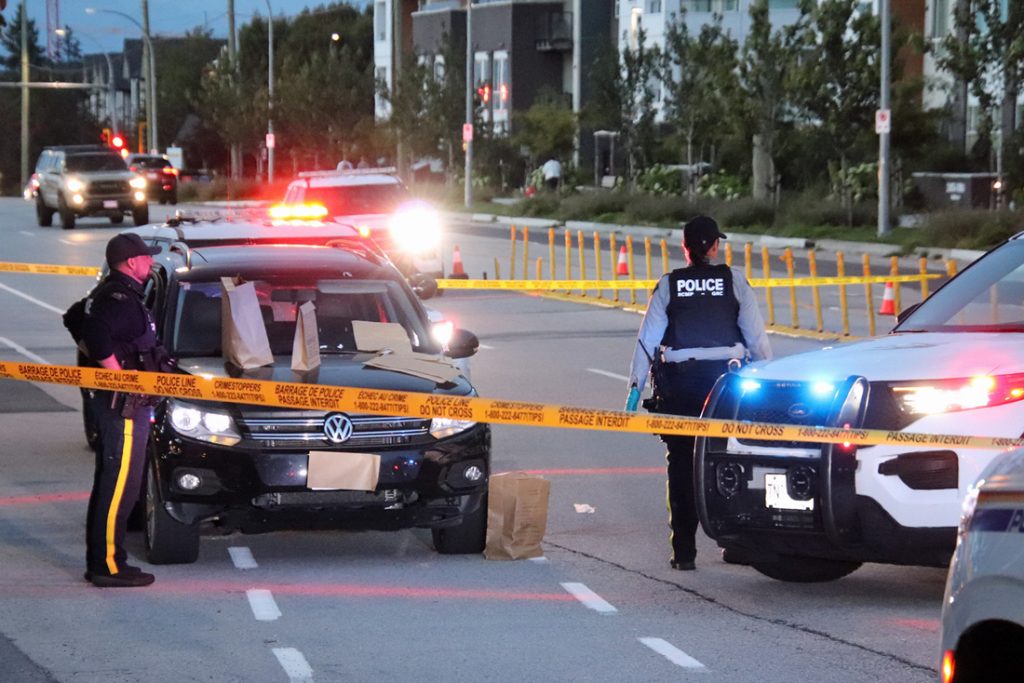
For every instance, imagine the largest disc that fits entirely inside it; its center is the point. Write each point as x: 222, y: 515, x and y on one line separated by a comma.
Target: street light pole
x: 151, y: 114
x: 270, y: 93
x: 884, y: 185
x: 469, y: 103
x: 24, y: 94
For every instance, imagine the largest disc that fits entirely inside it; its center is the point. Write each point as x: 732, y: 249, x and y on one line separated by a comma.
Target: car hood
x: 902, y: 357
x: 103, y: 175
x: 343, y: 371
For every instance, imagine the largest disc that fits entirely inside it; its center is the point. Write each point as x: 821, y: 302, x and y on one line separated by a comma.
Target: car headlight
x: 204, y: 425
x: 443, y: 427
x: 74, y: 184
x: 138, y: 182
x: 945, y: 396
x: 416, y: 227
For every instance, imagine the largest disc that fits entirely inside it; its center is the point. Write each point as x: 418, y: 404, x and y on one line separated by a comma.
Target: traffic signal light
x: 105, y: 136
x: 117, y: 141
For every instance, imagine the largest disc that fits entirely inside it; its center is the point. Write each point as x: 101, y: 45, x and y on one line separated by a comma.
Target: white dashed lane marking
x: 26, y: 232
x: 25, y: 352
x: 262, y: 603
x: 26, y: 297
x: 294, y: 664
x: 589, y: 598
x: 673, y: 654
x: 242, y: 558
x: 485, y: 346
x: 613, y: 375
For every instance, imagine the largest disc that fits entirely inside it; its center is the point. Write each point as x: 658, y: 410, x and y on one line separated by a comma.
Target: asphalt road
x: 333, y: 606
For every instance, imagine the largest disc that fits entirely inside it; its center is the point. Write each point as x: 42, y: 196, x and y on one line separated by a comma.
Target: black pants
x: 688, y: 386
x: 120, y: 463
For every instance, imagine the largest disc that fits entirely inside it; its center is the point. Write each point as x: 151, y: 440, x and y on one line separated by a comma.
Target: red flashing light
x: 948, y: 666
x: 503, y: 92
x: 485, y: 92
x: 117, y: 141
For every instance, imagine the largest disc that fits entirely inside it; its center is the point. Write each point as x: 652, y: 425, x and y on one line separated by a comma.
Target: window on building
x: 941, y: 18
x: 439, y: 68
x: 718, y: 6
x: 502, y: 91
x: 783, y: 4
x: 483, y: 83
x: 380, y: 20
x: 654, y: 6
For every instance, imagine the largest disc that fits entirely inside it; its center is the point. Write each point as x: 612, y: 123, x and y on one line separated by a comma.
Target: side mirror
x: 423, y: 286
x: 905, y: 313
x: 463, y: 344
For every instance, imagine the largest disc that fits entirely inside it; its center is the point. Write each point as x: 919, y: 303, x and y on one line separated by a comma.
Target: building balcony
x: 554, y: 32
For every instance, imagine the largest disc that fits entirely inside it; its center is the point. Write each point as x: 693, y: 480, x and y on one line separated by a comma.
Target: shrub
x: 976, y: 229
x: 813, y: 211
x: 540, y: 205
x: 721, y: 185
x: 746, y: 213
x: 593, y: 205
x: 223, y: 188
x: 643, y: 209
x: 660, y: 180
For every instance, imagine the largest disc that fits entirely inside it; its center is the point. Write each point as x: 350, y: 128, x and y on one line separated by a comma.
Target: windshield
x: 150, y: 162
x: 355, y: 200
x: 986, y: 297
x: 95, y: 162
x: 197, y: 324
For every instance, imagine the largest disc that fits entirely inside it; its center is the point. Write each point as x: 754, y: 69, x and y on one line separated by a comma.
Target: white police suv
x: 800, y: 511
x: 983, y: 609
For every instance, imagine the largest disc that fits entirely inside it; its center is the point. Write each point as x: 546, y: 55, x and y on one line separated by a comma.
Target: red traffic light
x: 117, y: 141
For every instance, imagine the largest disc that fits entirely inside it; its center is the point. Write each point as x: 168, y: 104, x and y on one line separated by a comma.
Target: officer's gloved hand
x: 633, y: 399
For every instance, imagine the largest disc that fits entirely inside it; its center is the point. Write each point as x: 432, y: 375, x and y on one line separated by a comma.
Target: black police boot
x: 125, y: 579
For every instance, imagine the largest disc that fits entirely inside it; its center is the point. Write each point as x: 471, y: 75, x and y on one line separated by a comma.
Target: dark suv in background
x: 161, y: 176
x: 244, y: 467
x: 87, y: 180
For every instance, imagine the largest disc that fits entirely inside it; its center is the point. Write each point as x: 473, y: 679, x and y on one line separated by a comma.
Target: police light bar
x: 301, y: 212
x: 381, y: 170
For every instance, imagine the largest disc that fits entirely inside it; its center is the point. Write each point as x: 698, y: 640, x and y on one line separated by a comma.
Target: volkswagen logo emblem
x: 798, y: 410
x: 337, y: 428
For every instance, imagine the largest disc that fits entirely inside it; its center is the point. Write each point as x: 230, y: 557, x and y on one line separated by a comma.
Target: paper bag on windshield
x: 243, y: 335
x: 517, y: 515
x: 306, y: 347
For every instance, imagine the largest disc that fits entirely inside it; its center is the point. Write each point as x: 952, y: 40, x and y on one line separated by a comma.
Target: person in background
x: 552, y: 174
x: 699, y: 320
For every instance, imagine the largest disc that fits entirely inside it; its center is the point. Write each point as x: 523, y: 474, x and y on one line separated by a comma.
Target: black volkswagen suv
x: 244, y: 467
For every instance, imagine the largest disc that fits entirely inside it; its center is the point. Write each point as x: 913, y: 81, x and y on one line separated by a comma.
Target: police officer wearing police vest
x: 118, y: 332
x: 699, y: 319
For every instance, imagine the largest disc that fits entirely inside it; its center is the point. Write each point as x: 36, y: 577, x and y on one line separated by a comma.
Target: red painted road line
x: 45, y: 498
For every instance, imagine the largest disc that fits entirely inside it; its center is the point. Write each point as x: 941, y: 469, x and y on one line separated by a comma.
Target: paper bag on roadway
x: 306, y: 346
x: 243, y: 335
x: 517, y: 515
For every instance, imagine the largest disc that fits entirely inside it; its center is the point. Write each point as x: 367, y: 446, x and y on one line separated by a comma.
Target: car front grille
x: 368, y: 431
x: 106, y: 187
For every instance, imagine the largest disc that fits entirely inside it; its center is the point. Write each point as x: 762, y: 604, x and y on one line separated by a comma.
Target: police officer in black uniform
x: 699, y: 319
x: 118, y: 332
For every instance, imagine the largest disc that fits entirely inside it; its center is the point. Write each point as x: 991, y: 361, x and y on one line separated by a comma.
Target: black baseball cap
x: 701, y: 232
x: 126, y: 245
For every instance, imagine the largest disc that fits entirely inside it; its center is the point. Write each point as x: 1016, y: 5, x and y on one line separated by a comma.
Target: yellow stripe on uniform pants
x: 115, y: 500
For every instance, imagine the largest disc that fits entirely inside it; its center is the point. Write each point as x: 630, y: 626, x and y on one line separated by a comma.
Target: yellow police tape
x: 412, y: 404
x: 544, y: 285
x: 534, y: 285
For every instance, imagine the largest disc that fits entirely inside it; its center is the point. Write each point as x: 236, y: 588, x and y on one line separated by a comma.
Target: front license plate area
x: 776, y: 495
x: 109, y: 203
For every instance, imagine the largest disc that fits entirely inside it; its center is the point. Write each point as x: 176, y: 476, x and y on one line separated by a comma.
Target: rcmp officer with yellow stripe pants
x: 118, y: 332
x: 699, y: 320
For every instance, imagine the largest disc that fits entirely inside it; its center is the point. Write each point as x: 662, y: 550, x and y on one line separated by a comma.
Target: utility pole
x: 150, y: 60
x: 884, y: 224
x: 270, y: 94
x: 24, y: 94
x: 469, y: 103
x: 236, y: 152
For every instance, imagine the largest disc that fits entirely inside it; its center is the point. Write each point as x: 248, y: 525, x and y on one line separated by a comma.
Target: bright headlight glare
x: 217, y: 422
x: 416, y: 227
x: 184, y: 418
x: 443, y: 427
x: 138, y: 182
x: 215, y: 427
x: 74, y: 184
x: 442, y: 332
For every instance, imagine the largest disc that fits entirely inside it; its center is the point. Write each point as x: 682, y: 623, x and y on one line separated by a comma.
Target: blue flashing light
x: 749, y: 385
x: 823, y: 389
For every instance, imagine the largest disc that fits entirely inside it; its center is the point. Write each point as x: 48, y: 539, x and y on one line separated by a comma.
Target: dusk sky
x: 107, y: 32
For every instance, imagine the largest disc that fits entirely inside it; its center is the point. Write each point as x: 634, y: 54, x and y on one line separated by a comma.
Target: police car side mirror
x: 905, y: 313
x: 463, y: 344
x: 423, y: 286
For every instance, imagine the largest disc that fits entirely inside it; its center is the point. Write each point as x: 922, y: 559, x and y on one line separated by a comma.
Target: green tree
x: 226, y: 102
x: 837, y: 81
x: 547, y: 129
x: 636, y: 98
x: 10, y: 38
x: 182, y: 63
x: 699, y: 73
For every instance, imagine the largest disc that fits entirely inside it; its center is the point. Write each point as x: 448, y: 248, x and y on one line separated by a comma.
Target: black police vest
x: 130, y: 353
x: 702, y: 309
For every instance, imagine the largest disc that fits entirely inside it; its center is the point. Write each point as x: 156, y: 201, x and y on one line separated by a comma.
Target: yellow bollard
x: 870, y: 301
x: 728, y: 254
x: 648, y: 263
x: 791, y: 273
x: 766, y: 264
x: 748, y: 260
x: 844, y: 304
x: 497, y: 269
x: 664, y: 256
x: 632, y: 270
x: 613, y: 261
x: 583, y: 260
x: 568, y: 257
x: 894, y: 270
x: 951, y: 267
x: 540, y: 267
x: 597, y: 262
x: 551, y: 251
x: 923, y: 267
x: 512, y: 260
x: 812, y: 264
x: 526, y: 253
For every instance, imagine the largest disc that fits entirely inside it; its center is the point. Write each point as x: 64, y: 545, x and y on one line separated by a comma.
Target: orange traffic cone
x: 888, y: 300
x: 458, y: 273
x: 622, y: 268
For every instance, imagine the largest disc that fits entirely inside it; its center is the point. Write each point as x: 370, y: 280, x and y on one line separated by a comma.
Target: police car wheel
x: 466, y: 538
x: 168, y: 541
x: 794, y: 569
